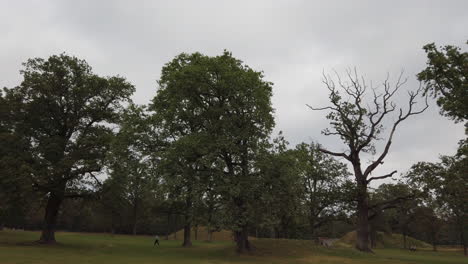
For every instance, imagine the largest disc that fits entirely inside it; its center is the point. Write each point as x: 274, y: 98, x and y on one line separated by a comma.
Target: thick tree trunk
x: 242, y: 240
x: 196, y: 232
x: 50, y: 219
x: 187, y: 240
x: 362, y: 241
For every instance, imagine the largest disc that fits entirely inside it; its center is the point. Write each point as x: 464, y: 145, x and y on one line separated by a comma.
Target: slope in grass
x: 384, y: 240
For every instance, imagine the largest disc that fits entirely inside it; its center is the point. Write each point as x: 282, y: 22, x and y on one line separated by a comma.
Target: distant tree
x: 113, y: 199
x: 400, y: 200
x: 278, y: 202
x: 324, y: 182
x: 446, y: 78
x: 359, y: 126
x: 444, y: 187
x: 131, y: 165
x: 64, y: 112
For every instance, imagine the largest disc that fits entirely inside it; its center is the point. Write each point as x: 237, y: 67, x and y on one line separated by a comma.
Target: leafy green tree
x: 64, y: 112
x: 130, y: 162
x: 180, y: 113
x: 392, y: 202
x: 240, y: 122
x: 217, y: 111
x: 324, y: 183
x: 113, y: 199
x: 359, y: 125
x: 444, y: 186
x: 446, y: 78
x: 279, y: 197
x: 15, y: 188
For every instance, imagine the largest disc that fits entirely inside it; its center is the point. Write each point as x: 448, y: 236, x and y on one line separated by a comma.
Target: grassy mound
x: 384, y: 240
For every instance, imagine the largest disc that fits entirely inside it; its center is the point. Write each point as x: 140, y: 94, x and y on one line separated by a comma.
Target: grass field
x: 17, y: 247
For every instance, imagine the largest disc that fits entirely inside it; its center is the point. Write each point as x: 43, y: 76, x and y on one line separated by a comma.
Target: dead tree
x: 359, y: 124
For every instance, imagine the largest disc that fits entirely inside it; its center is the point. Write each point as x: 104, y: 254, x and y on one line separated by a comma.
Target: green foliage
x: 446, y: 78
x: 132, y: 169
x: 61, y: 115
x: 63, y: 112
x: 215, y: 112
x: 326, y: 187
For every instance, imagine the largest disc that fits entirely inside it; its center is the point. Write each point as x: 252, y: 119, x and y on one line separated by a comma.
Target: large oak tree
x: 65, y: 112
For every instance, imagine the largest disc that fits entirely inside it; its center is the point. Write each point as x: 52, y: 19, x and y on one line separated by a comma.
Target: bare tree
x: 359, y: 125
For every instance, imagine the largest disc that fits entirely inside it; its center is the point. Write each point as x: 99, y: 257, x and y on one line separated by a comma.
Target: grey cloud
x: 291, y: 41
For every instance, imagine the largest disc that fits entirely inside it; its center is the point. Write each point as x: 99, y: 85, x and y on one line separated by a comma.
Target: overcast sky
x: 291, y: 41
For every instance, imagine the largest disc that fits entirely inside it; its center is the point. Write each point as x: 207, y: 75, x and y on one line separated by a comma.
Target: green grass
x: 17, y: 247
x: 386, y: 241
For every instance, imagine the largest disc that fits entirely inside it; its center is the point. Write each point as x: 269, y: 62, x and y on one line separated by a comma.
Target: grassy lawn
x: 17, y: 247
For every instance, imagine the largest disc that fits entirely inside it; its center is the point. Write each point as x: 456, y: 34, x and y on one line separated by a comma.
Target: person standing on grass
x: 156, y: 240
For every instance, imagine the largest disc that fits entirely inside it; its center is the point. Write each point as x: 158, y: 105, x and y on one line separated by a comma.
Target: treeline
x: 77, y: 154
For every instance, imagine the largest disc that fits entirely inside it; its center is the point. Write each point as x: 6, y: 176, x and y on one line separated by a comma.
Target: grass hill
x: 384, y: 240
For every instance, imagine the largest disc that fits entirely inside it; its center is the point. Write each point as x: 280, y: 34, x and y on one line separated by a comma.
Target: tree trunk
x: 404, y: 240
x: 196, y: 232
x: 210, y: 235
x: 175, y: 229
x: 362, y: 242
x: 168, y: 230
x: 372, y: 236
x: 50, y: 219
x: 463, y: 242
x: 135, y: 218
x: 188, y: 221
x: 462, y: 235
x: 312, y: 226
x: 187, y: 241
x: 434, y: 241
x: 242, y: 240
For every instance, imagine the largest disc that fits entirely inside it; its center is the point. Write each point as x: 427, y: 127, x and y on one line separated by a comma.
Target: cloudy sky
x: 293, y: 42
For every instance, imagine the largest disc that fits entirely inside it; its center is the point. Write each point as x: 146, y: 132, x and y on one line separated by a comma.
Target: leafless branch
x: 337, y: 154
x: 382, y: 177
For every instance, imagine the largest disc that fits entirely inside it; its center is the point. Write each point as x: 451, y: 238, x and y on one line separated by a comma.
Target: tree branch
x: 337, y: 154
x: 381, y: 177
